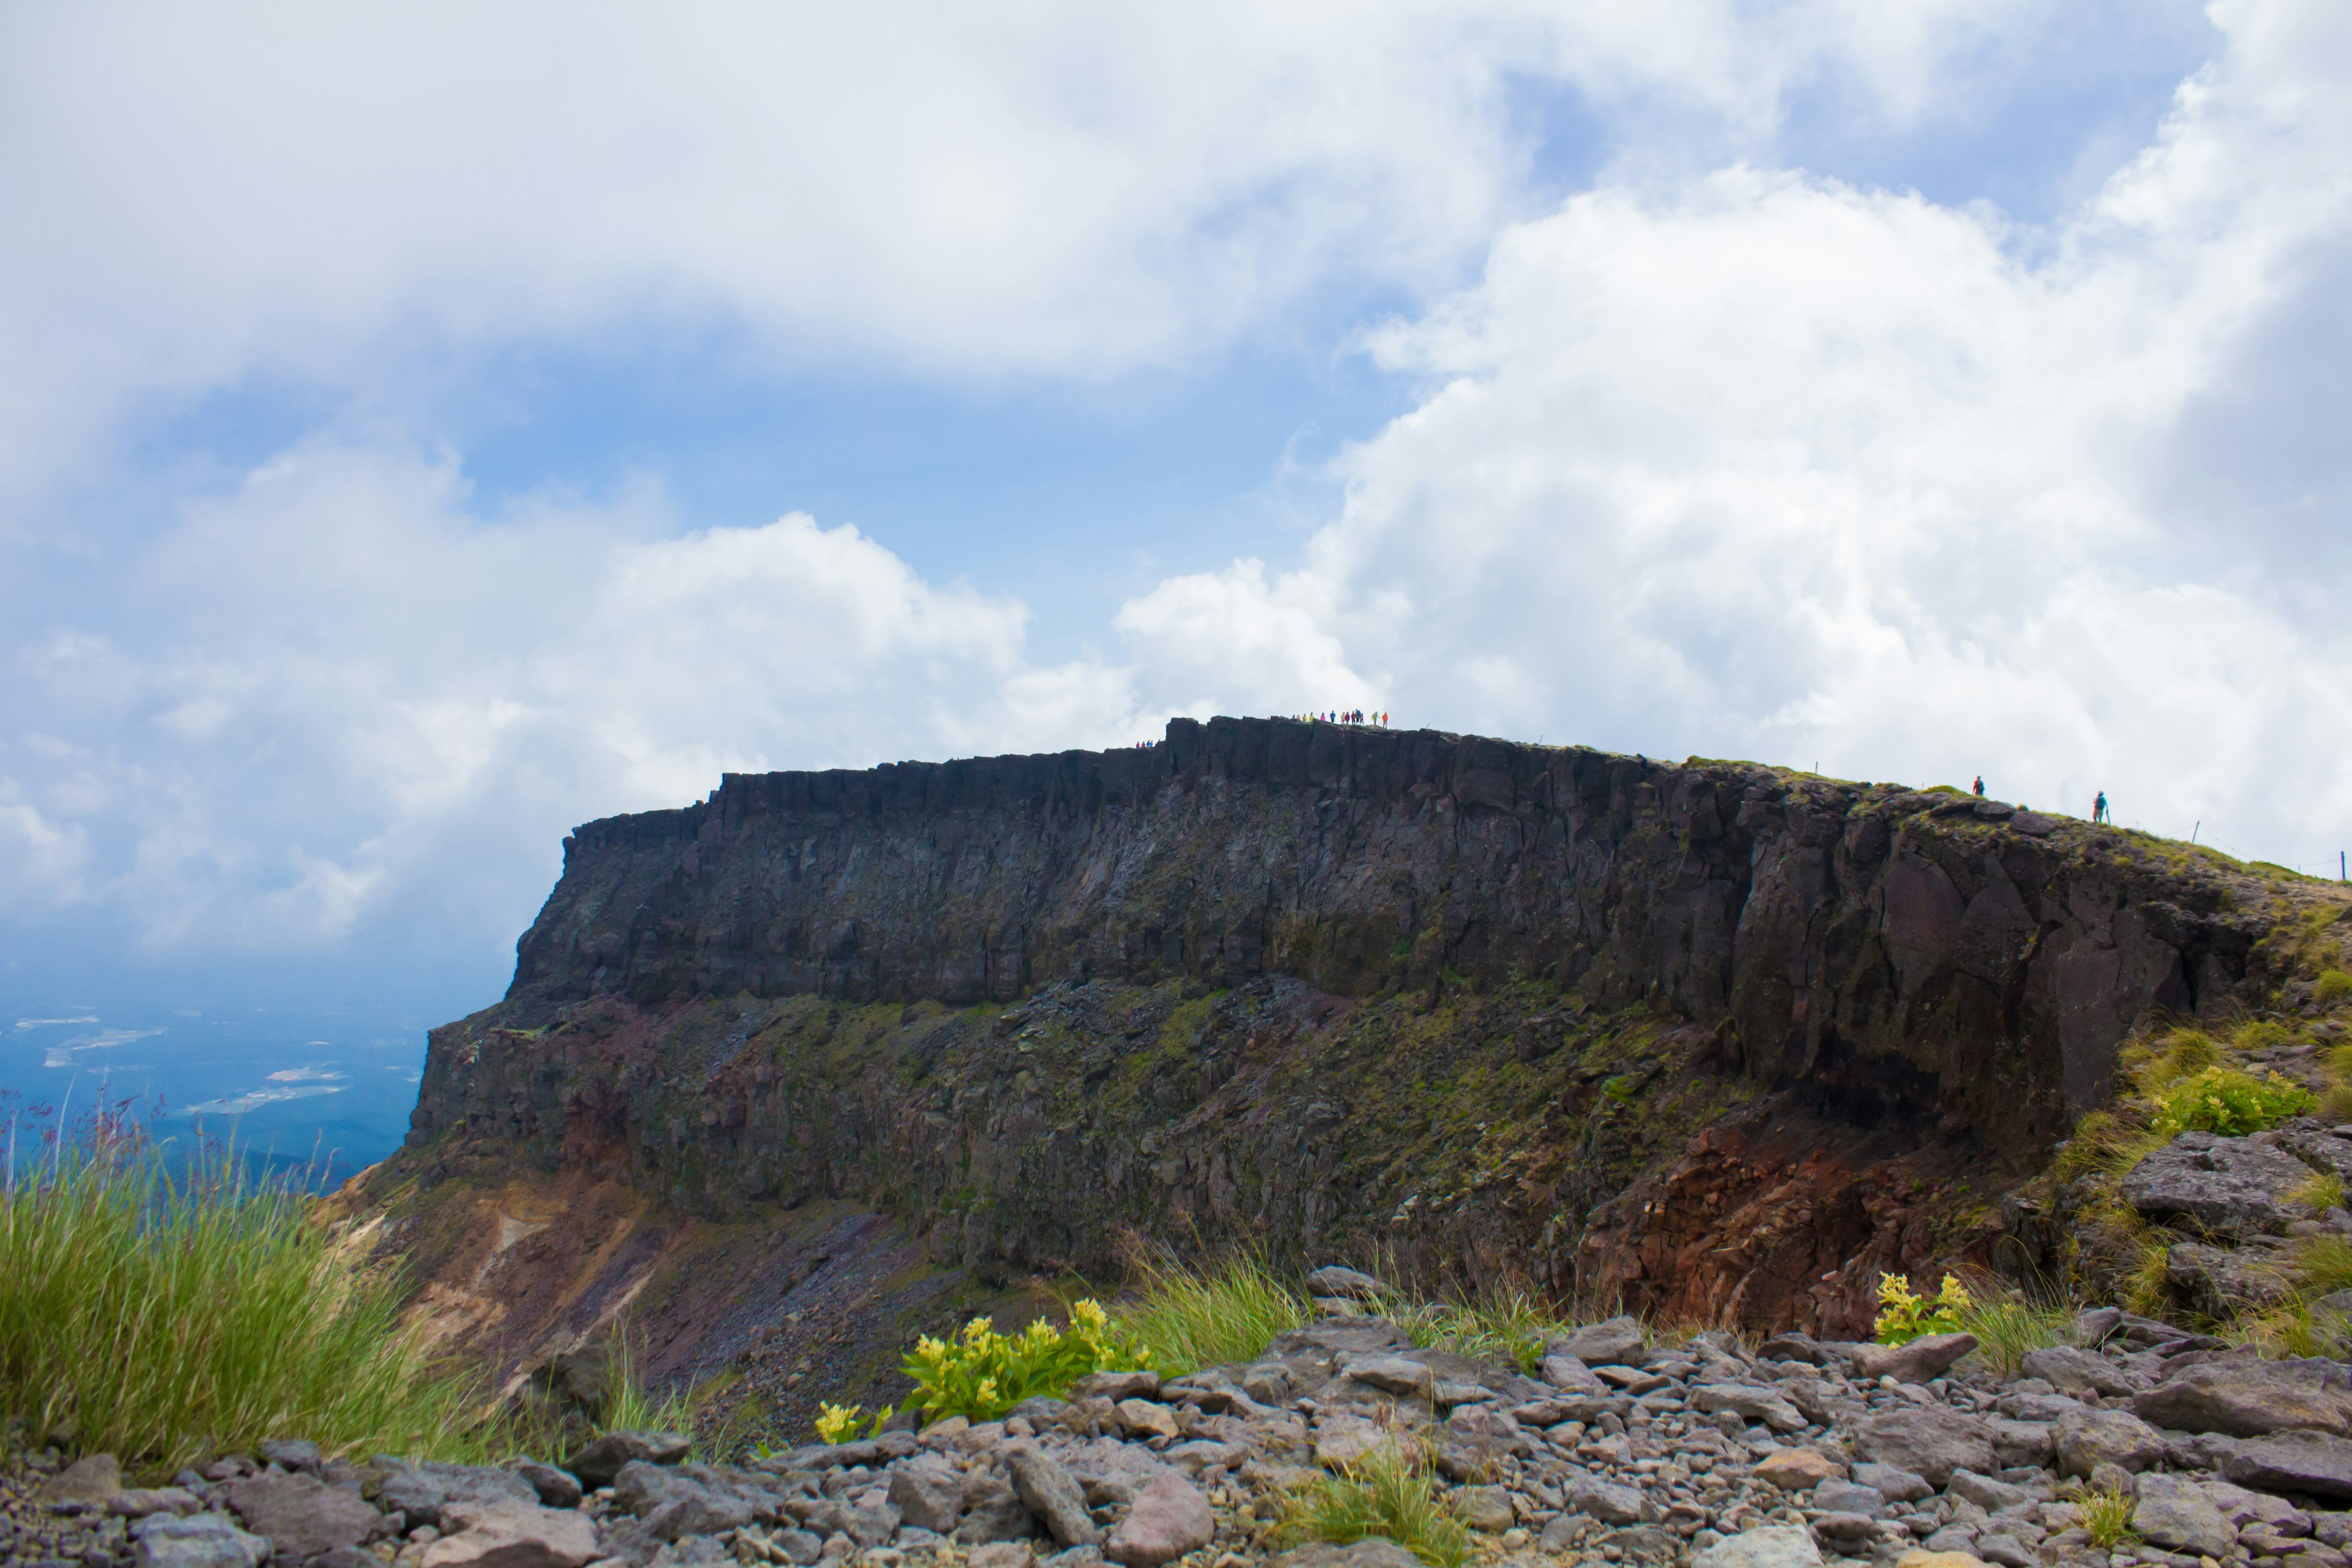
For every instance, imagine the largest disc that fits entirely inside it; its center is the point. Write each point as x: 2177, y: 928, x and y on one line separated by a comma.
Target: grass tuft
x: 1388, y: 1493
x: 170, y: 1311
x: 2144, y: 1287
x: 2106, y: 1515
x: 1229, y: 1310
x: 2007, y: 1328
x: 1501, y: 1324
x: 2321, y: 1191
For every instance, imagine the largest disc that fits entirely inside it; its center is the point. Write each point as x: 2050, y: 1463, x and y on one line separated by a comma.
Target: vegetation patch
x: 1388, y: 1494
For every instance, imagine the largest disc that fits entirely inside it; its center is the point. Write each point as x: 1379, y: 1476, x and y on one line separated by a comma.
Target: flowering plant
x: 1903, y: 1316
x: 981, y: 1374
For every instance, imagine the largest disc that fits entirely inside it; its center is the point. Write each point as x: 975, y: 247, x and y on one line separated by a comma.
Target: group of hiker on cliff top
x: 2099, y: 812
x: 1348, y: 716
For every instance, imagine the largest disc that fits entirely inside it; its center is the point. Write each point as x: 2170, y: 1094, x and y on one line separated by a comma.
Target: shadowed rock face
x: 1894, y: 967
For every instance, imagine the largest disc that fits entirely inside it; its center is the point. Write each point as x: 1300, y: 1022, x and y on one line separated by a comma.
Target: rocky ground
x: 1701, y: 1451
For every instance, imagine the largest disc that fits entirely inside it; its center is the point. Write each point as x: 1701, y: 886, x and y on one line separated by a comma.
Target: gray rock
x: 1040, y: 1412
x: 1559, y: 1535
x: 675, y: 1503
x: 2243, y: 1508
x: 138, y: 1502
x: 2087, y: 1439
x: 1616, y: 1342
x: 1988, y: 1494
x: 995, y: 1514
x: 420, y: 1489
x: 1052, y: 1493
x: 1486, y: 1509
x: 1893, y: 1482
x: 1116, y: 1385
x: 1372, y: 1553
x: 1606, y: 1502
x: 2092, y: 1325
x: 1930, y: 1356
x: 509, y: 1535
x: 1346, y: 1284
x: 2230, y: 1186
x: 1849, y: 1497
x: 798, y: 1546
x: 1169, y: 1519
x: 1571, y: 1375
x: 2005, y: 1549
x: 2064, y: 1366
x: 1931, y: 1441
x: 600, y: 1462
x: 2176, y: 1514
x: 1773, y: 1546
x: 2319, y: 1463
x: 927, y: 1496
x: 302, y: 1515
x: 1847, y: 1527
x: 556, y: 1487
x: 1749, y: 1403
x: 1795, y: 1345
x: 2246, y: 1398
x: 2022, y: 1442
x: 199, y: 1540
x: 2222, y: 1281
x: 1394, y: 1374
x: 93, y: 1478
x: 292, y: 1454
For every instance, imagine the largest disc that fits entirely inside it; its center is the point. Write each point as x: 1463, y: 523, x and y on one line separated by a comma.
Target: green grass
x: 2106, y: 1514
x: 1388, y: 1493
x: 167, y: 1314
x: 1229, y: 1310
x: 2009, y: 1328
x: 1502, y: 1324
x: 2334, y: 986
x: 2320, y: 1191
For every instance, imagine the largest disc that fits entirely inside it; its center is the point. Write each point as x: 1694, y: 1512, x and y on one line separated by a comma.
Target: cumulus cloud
x: 357, y: 698
x: 1762, y: 463
x: 358, y: 195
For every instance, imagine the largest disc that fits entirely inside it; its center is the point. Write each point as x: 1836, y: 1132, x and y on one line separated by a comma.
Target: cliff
x: 1709, y: 1038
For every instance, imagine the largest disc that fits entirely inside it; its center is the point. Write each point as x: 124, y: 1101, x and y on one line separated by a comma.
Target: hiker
x: 1981, y: 784
x: 2099, y: 808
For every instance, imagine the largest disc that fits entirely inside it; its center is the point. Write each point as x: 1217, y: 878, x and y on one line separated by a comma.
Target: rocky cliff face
x: 1709, y: 1037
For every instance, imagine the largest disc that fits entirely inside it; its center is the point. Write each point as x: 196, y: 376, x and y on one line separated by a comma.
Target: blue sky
x: 425, y: 430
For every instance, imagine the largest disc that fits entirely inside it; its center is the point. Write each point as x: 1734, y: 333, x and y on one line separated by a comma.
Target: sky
x: 427, y: 427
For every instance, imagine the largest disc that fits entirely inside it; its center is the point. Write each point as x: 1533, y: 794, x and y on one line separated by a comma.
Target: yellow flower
x: 835, y: 1423
x: 979, y: 1330
x: 986, y: 1391
x: 1090, y: 1313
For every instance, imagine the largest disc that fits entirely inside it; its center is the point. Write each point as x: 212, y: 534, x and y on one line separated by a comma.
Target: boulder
x: 1987, y: 1493
x: 1606, y: 1500
x: 1931, y: 1441
x: 2228, y: 1186
x: 1169, y: 1518
x: 1794, y: 1469
x: 93, y: 1478
x: 1571, y: 1375
x: 1894, y: 1483
x: 2247, y: 1398
x: 1372, y: 1553
x: 675, y: 1502
x: 504, y: 1534
x: 2065, y: 1367
x: 2319, y: 1463
x: 1116, y: 1385
x: 1486, y: 1509
x: 600, y: 1462
x: 2022, y: 1442
x: 421, y: 1489
x: 1749, y: 1403
x: 2222, y: 1281
x: 1052, y: 1493
x: 927, y: 1496
x: 1616, y: 1342
x: 556, y: 1487
x: 1342, y: 1440
x: 2176, y: 1514
x: 138, y: 1502
x: 2087, y: 1439
x: 302, y: 1515
x: 199, y: 1540
x: 1394, y: 1374
x: 1346, y: 1284
x: 1794, y: 1345
x: 1930, y: 1356
x: 1144, y: 1419
x: 1835, y: 1496
x: 1774, y: 1546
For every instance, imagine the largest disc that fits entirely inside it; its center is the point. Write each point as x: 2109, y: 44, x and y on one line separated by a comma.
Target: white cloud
x: 365, y: 196
x: 404, y: 705
x: 1763, y: 463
